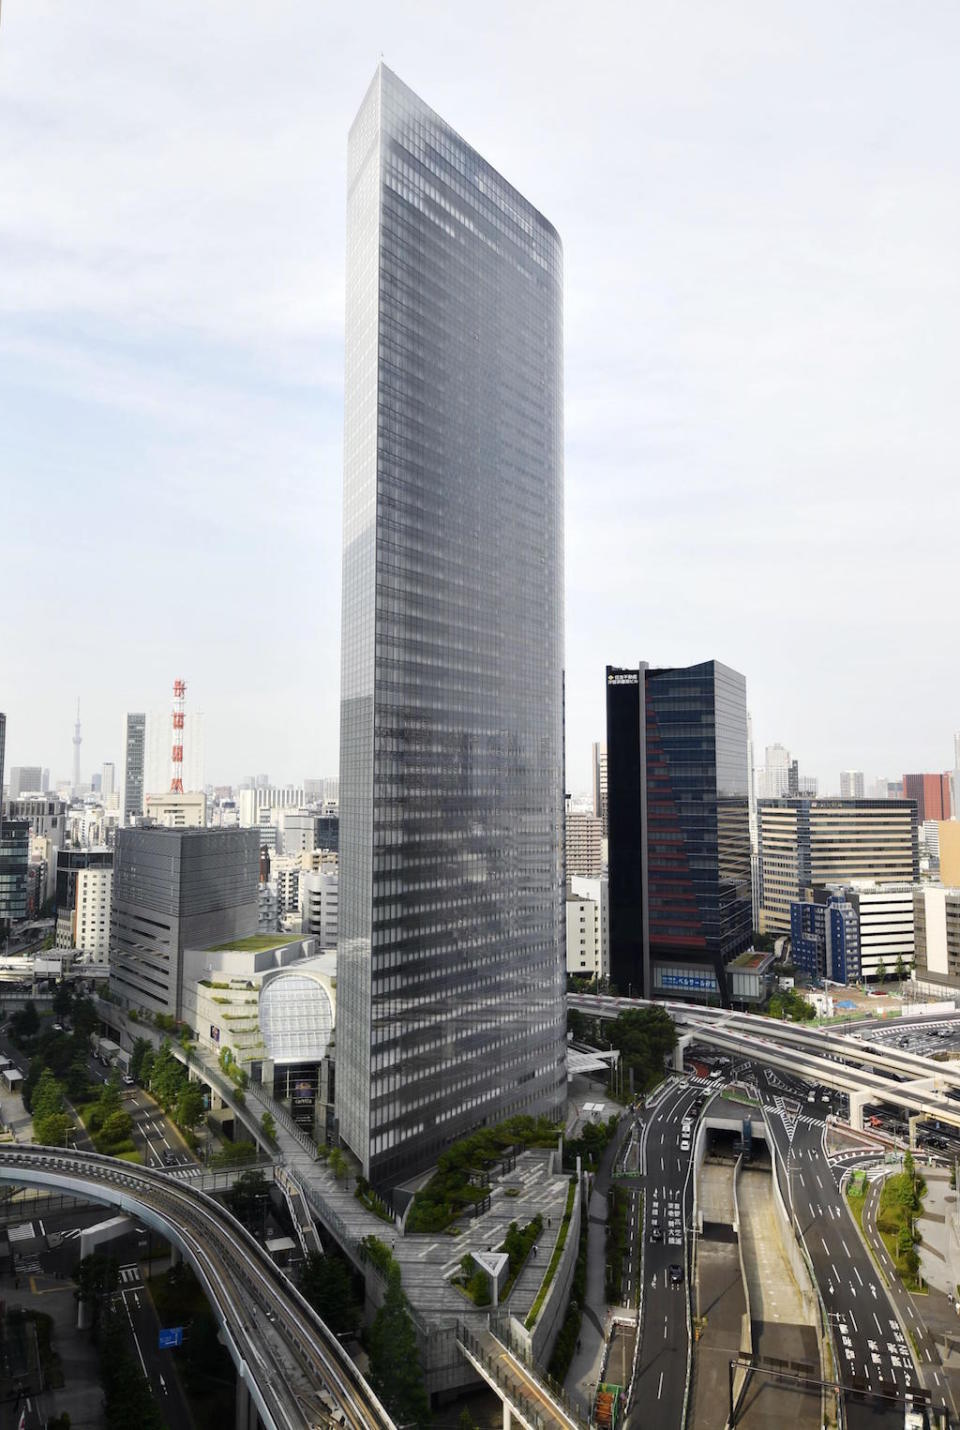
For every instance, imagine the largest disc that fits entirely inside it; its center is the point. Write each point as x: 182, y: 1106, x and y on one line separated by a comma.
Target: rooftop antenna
x: 176, y: 752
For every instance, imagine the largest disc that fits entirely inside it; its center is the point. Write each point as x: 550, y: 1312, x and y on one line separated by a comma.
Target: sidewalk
x: 581, y: 1380
x: 923, y: 1316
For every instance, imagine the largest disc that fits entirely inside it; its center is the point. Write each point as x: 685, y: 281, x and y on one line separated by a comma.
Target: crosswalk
x: 130, y: 1275
x: 184, y: 1174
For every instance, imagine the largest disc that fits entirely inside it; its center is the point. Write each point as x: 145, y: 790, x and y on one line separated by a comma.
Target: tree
x: 128, y: 1397
x: 328, y: 1286
x: 338, y: 1164
x: 25, y: 1025
x: 189, y: 1109
x: 77, y: 1080
x: 109, y: 1099
x: 97, y: 1277
x: 85, y: 1017
x: 115, y: 1129
x: 47, y: 1099
x: 140, y: 1049
x: 248, y: 1198
x: 901, y: 968
x: 52, y: 1129
x: 268, y: 1126
x: 62, y: 1003
x: 235, y: 1154
x: 166, y: 1077
x: 395, y: 1371
x: 645, y: 1036
x: 881, y: 972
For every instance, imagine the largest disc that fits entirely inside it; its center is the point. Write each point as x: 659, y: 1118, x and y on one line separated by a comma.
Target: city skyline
x: 744, y: 343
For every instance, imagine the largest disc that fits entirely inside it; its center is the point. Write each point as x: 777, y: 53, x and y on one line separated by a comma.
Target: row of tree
x: 168, y: 1080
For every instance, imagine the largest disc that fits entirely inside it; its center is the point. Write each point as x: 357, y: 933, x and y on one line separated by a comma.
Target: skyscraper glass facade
x: 450, y: 981
x: 134, y: 748
x: 684, y: 810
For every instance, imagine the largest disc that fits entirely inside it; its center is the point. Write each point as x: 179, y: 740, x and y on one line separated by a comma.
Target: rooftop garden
x: 254, y: 943
x: 462, y: 1178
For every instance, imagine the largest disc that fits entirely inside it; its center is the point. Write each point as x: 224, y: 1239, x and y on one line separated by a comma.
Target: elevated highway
x: 865, y: 1072
x: 290, y: 1367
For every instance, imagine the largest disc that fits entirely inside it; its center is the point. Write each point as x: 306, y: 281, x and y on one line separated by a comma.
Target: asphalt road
x: 872, y: 1350
x: 156, y: 1364
x: 662, y: 1364
x: 924, y: 1345
x: 154, y: 1133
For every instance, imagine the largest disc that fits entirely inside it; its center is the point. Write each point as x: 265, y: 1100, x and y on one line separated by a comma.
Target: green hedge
x: 450, y: 1190
x: 566, y: 1342
x: 531, y: 1320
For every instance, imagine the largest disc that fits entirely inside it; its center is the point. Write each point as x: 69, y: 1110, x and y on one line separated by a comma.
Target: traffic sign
x: 171, y: 1337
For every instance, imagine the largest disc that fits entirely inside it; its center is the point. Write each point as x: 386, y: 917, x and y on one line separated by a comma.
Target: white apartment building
x: 319, y: 903
x: 596, y: 892
x: 886, y: 925
x: 851, y: 784
x: 583, y: 937
x: 773, y: 781
x: 287, y: 873
x: 91, y: 915
x: 253, y: 804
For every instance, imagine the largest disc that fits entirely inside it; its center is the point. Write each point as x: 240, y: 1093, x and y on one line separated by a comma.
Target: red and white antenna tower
x: 176, y: 754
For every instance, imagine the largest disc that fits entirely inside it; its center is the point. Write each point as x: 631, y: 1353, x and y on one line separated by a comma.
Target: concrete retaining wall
x: 746, y: 1321
x: 791, y: 1245
x: 535, y: 1346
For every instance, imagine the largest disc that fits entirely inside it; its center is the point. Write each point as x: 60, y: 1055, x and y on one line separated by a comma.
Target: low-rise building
x: 825, y: 935
x: 319, y: 907
x: 269, y: 1009
x: 174, y: 810
x: 588, y: 927
x: 937, y: 928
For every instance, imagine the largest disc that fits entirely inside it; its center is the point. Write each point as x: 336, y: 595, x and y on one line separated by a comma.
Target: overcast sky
x: 760, y: 210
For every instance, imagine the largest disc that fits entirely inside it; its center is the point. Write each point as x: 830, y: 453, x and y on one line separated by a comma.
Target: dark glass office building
x: 134, y: 755
x: 679, y: 851
x: 451, y: 942
x: 14, y: 861
x: 175, y: 889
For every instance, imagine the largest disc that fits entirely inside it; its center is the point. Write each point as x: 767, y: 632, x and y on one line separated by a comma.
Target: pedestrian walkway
x: 584, y: 1372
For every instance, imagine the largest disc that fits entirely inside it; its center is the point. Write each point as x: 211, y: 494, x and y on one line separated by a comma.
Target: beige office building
x: 948, y: 841
x: 936, y: 912
x: 584, y: 844
x: 803, y: 842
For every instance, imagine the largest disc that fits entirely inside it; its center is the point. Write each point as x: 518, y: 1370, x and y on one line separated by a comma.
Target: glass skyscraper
x: 450, y: 1007
x: 679, y: 854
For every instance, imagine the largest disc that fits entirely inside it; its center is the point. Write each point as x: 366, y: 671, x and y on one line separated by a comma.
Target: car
x: 676, y: 1273
x: 169, y: 1157
x: 127, y: 1080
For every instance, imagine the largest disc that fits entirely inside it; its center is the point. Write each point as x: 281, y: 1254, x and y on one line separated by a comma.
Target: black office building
x: 679, y: 851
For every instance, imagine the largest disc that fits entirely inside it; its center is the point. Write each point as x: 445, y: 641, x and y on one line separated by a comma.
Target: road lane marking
x: 857, y: 1275
x: 846, y: 1248
x: 825, y: 1246
x: 660, y: 1386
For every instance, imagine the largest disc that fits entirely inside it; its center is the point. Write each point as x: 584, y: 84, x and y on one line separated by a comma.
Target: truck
x: 105, y: 1050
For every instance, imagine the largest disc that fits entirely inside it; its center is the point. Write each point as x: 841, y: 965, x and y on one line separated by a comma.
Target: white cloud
x: 760, y: 213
